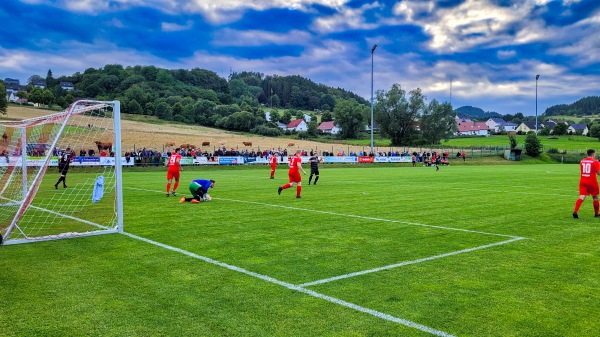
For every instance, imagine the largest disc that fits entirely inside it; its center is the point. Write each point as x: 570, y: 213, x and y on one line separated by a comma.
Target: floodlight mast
x: 372, y: 123
x: 537, y: 77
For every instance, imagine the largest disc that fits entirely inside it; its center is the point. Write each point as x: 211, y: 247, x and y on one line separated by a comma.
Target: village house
x: 329, y: 127
x: 297, y: 125
x: 67, y: 86
x: 528, y: 126
x: 578, y: 129
x: 472, y: 129
x: 494, y: 123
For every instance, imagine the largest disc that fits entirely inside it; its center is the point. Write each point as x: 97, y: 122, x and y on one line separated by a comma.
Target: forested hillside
x: 475, y: 113
x: 583, y: 107
x: 195, y: 96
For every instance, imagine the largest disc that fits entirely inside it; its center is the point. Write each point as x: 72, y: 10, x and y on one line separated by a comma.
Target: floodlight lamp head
x: 373, y: 48
x: 537, y: 77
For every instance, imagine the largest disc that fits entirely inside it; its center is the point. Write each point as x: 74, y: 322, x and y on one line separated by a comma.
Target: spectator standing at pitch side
x: 314, y: 168
x: 173, y: 169
x: 589, y: 169
x: 64, y: 160
x: 295, y: 164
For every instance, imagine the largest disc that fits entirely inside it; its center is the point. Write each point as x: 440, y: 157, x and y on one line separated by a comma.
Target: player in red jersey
x: 273, y: 162
x: 588, y: 183
x: 294, y: 174
x: 173, y: 169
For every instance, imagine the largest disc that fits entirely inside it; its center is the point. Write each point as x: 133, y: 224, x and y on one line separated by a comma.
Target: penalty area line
x: 406, y: 263
x: 371, y: 218
x: 300, y: 289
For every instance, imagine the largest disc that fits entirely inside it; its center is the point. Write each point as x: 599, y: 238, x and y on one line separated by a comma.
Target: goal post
x: 61, y: 174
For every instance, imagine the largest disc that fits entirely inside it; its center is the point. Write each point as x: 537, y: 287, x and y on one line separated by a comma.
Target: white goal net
x: 60, y: 174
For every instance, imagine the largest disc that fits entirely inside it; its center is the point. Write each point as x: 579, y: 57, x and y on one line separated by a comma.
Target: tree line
x: 586, y: 106
x: 239, y: 103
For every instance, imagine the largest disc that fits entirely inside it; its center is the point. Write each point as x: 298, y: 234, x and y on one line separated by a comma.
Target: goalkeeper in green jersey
x: 199, y: 189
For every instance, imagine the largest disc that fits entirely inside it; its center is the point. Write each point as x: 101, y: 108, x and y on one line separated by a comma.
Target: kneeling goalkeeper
x: 199, y: 189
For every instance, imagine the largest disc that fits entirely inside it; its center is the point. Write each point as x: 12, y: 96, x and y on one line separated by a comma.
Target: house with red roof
x: 329, y: 127
x: 298, y: 125
x: 472, y: 129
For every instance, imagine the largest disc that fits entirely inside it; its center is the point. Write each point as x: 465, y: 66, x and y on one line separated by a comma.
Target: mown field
x: 470, y: 250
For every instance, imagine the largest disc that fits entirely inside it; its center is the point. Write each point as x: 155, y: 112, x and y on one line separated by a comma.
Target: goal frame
x: 30, y: 189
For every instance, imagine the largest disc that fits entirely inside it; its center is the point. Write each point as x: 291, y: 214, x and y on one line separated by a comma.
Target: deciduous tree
x: 349, y: 116
x: 533, y: 147
x: 396, y: 115
x: 438, y: 122
x: 3, y: 100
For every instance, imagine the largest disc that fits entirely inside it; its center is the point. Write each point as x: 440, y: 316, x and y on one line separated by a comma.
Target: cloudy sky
x: 490, y: 50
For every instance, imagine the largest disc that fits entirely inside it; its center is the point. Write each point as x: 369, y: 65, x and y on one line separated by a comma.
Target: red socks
x: 298, y: 190
x: 168, y: 187
x: 175, y: 186
x: 596, y: 207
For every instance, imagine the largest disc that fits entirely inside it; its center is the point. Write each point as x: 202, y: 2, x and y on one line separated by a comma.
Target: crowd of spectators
x: 430, y: 158
x: 148, y: 156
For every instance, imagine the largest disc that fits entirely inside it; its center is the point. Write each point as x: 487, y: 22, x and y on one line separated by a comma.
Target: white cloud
x: 117, y: 23
x: 231, y: 37
x: 470, y: 24
x: 216, y: 11
x: 346, y: 18
x: 580, y: 40
x: 506, y: 54
x: 174, y: 27
x: 13, y: 61
x: 88, y: 6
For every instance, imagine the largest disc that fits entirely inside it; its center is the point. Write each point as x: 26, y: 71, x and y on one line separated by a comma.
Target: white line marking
x: 406, y: 263
x: 290, y: 286
x: 369, y: 218
x: 60, y: 214
x: 518, y: 190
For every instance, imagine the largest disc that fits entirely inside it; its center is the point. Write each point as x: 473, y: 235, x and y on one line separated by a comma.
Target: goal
x: 36, y: 204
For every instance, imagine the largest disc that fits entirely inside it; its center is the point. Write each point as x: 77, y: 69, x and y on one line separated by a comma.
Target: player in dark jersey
x: 314, y: 168
x: 64, y: 160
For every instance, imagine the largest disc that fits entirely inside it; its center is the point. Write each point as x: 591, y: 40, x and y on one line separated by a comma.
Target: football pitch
x: 368, y: 251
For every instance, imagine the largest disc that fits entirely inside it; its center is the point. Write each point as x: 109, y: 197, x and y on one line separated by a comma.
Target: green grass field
x: 470, y: 250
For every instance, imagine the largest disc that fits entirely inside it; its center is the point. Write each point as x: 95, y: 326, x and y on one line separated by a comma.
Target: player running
x: 173, y: 169
x: 199, y: 189
x: 294, y: 174
x: 588, y: 182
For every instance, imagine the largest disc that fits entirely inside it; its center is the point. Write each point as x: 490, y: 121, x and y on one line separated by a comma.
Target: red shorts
x: 588, y: 188
x: 273, y: 166
x: 172, y: 173
x: 295, y: 177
